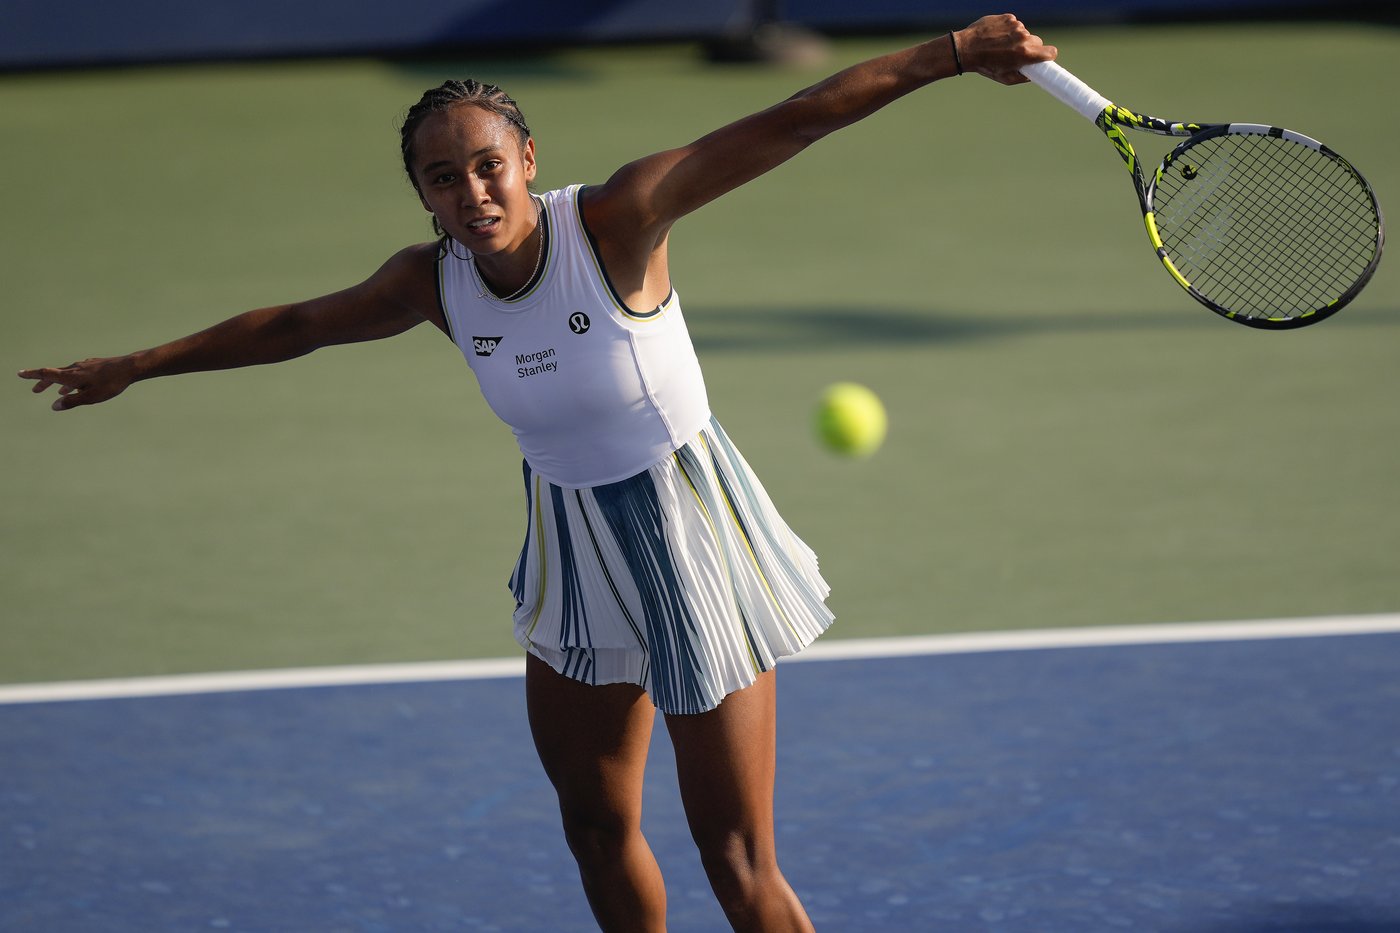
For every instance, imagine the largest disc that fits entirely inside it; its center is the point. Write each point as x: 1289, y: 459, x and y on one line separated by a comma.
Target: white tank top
x: 594, y: 391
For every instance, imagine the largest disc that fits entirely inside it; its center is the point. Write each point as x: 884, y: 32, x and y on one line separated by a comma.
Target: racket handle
x: 1067, y: 89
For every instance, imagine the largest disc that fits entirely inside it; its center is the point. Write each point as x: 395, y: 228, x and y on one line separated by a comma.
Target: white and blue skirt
x: 683, y: 579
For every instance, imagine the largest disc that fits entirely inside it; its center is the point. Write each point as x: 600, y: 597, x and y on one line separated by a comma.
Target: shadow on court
x: 777, y: 329
x: 1314, y: 918
x: 1247, y: 787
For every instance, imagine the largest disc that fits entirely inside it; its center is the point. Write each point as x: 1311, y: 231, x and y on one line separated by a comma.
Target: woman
x: 655, y: 569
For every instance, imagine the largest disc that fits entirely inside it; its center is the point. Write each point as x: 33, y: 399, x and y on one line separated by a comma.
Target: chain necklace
x: 539, y: 258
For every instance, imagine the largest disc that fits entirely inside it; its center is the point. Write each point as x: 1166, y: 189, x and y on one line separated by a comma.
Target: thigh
x: 725, y: 761
x: 591, y: 740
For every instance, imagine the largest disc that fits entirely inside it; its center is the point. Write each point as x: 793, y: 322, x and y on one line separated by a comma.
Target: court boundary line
x: 835, y: 649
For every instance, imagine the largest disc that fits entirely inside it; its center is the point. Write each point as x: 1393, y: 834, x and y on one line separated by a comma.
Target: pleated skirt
x: 683, y: 579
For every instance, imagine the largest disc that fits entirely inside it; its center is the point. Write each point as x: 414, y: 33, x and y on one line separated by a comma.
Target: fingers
x: 74, y: 396
x: 44, y: 378
x: 999, y: 46
x: 66, y: 376
x: 78, y: 384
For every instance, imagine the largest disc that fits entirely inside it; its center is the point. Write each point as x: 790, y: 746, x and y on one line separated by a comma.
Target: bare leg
x: 593, y: 744
x: 726, y: 763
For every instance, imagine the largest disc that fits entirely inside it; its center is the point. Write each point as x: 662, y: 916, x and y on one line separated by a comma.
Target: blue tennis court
x: 1218, y: 786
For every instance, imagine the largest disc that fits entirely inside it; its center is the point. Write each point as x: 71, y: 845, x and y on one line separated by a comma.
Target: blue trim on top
x: 603, y: 270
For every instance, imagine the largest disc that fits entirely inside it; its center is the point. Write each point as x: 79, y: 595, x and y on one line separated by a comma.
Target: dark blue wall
x: 46, y: 33
x: 36, y: 33
x: 877, y: 14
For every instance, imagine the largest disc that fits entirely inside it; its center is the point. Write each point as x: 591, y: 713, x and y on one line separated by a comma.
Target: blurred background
x: 41, y: 35
x: 1073, y: 440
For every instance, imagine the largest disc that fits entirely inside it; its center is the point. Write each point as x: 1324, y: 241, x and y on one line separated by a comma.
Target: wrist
x: 137, y: 366
x: 953, y: 44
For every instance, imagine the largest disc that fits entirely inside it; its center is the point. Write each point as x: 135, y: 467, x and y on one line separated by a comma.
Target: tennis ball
x: 851, y: 419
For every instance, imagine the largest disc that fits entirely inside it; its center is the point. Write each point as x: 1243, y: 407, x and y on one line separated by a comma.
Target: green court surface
x: 1073, y: 440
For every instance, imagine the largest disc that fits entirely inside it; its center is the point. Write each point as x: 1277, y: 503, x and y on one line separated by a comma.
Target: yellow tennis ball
x: 851, y: 419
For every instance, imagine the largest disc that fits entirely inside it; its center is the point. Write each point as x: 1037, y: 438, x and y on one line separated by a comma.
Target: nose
x: 474, y: 191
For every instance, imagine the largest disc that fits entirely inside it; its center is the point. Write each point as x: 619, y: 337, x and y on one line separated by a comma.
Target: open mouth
x: 484, y: 225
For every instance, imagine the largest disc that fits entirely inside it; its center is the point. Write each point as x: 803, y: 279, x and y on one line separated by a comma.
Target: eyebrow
x: 444, y: 163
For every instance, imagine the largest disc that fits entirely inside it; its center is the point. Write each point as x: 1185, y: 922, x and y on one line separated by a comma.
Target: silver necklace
x: 539, y: 258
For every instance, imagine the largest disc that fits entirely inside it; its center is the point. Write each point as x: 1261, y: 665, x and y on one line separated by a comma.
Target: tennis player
x: 655, y: 570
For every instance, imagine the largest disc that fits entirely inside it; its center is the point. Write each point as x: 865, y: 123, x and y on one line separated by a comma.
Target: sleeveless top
x: 594, y: 391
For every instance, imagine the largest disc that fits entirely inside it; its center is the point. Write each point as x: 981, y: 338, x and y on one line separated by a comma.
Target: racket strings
x: 1264, y: 226
x: 1295, y: 263
x: 1297, y: 273
x: 1225, y: 230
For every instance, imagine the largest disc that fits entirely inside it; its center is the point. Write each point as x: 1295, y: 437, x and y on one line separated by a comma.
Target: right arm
x: 632, y: 213
x: 400, y: 296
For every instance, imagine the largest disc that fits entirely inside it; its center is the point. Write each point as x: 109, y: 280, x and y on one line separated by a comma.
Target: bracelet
x: 957, y: 59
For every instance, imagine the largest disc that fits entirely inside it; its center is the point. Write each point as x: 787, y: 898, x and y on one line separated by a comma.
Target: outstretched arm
x: 398, y: 297
x: 638, y: 205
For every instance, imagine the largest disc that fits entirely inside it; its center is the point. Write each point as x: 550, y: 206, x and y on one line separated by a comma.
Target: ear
x: 527, y: 157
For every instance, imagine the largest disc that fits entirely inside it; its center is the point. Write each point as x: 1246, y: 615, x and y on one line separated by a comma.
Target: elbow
x: 290, y: 331
x: 810, y: 118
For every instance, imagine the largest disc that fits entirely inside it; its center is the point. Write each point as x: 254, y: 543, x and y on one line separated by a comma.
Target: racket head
x: 1264, y: 226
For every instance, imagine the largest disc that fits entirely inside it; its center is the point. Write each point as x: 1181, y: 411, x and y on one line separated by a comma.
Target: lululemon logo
x: 579, y: 323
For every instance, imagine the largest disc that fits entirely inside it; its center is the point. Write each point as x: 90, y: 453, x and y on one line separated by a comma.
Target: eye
x: 446, y: 178
x: 490, y: 166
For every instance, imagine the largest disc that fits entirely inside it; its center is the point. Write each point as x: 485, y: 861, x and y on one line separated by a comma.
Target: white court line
x: 1100, y: 636
x: 835, y: 649
x: 282, y: 679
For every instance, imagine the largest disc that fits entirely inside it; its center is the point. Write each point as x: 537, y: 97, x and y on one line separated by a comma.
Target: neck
x: 506, y: 274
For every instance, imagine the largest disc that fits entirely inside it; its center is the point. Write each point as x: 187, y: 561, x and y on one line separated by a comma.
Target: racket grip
x: 1067, y: 89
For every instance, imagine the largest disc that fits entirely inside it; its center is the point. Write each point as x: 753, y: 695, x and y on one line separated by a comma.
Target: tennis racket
x: 1262, y: 225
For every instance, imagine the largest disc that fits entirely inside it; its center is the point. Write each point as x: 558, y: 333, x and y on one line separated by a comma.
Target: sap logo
x: 485, y: 346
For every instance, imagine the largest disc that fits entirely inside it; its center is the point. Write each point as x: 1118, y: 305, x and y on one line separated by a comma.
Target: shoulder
x: 599, y: 199
x: 617, y: 212
x: 409, y: 280
x: 413, y: 261
x: 409, y: 274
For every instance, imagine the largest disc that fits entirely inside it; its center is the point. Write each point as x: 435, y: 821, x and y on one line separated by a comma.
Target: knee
x: 597, y: 838
x: 736, y: 863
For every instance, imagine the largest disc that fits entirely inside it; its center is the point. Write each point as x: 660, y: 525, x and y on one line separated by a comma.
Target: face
x: 473, y: 174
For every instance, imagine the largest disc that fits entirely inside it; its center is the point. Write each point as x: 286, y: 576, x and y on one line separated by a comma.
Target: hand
x: 85, y: 383
x: 997, y: 47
